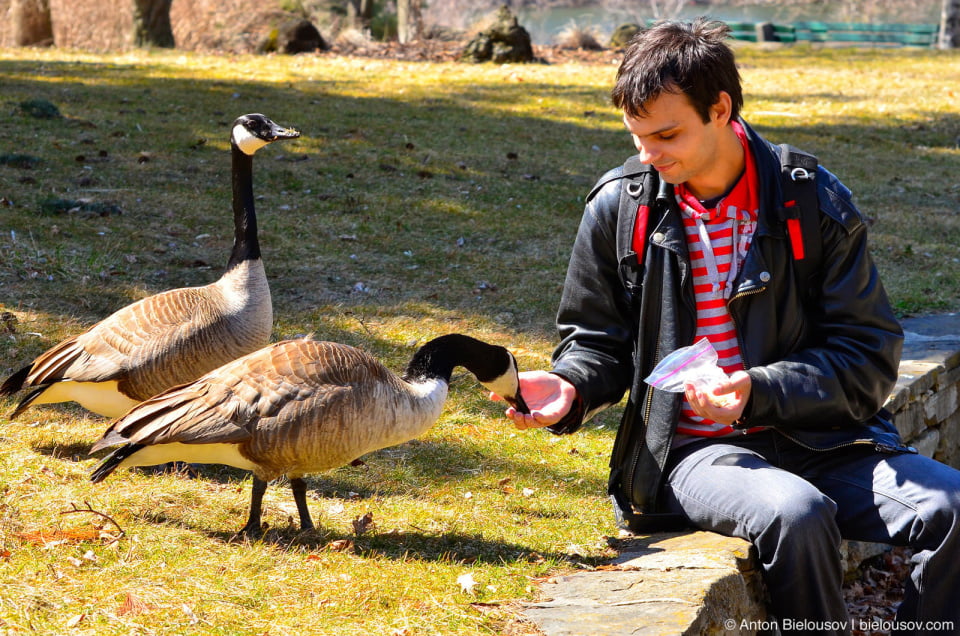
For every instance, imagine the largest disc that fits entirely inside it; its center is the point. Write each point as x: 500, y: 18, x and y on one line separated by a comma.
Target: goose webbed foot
x: 249, y: 532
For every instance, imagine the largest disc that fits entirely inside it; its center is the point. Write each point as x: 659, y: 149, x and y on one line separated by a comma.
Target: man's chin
x: 669, y: 173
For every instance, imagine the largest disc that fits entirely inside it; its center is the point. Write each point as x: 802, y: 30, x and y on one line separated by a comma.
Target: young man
x: 791, y: 452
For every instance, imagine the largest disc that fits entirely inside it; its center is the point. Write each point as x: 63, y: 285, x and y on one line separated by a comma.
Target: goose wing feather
x: 137, y: 336
x: 260, y: 394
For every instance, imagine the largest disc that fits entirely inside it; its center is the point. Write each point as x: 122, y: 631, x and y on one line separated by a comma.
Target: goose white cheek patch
x: 246, y: 141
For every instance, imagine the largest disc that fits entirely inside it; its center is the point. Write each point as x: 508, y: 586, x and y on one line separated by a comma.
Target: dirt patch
x: 449, y: 51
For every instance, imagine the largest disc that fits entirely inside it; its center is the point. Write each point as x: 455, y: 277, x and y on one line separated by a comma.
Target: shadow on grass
x: 402, y: 199
x: 417, y: 544
x: 448, y: 547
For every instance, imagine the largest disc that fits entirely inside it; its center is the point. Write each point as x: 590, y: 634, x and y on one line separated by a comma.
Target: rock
x: 21, y: 161
x: 622, y: 35
x: 504, y: 42
x: 86, y: 209
x: 292, y: 37
x: 671, y: 583
x: 41, y: 109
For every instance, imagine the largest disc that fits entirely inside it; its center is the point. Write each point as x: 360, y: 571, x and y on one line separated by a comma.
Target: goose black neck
x: 438, y: 357
x: 245, y: 243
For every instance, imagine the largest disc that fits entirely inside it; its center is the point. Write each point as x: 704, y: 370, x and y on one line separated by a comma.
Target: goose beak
x: 519, y: 404
x: 279, y: 132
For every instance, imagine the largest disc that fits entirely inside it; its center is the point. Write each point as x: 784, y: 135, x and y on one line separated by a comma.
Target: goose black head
x: 493, y: 366
x: 500, y: 375
x: 252, y: 132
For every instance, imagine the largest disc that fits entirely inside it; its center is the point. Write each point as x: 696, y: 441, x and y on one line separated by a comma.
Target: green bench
x: 892, y: 34
x: 746, y: 31
x: 854, y: 33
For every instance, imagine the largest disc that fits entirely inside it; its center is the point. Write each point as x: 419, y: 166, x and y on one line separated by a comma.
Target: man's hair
x: 691, y: 58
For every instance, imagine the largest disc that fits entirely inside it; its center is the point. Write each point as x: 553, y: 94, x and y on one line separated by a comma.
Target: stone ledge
x: 671, y: 583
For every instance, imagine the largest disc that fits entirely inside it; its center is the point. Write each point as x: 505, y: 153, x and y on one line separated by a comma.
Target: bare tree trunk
x: 31, y: 25
x: 409, y: 20
x: 360, y: 13
x: 950, y: 25
x: 151, y: 23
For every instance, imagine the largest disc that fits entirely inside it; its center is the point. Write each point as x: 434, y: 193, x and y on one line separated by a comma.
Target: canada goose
x: 174, y: 336
x: 298, y: 407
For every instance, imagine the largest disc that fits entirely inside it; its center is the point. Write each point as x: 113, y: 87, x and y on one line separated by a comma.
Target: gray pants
x: 795, y: 505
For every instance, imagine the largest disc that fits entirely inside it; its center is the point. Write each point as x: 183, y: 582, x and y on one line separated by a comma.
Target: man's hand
x: 548, y: 396
x: 725, y: 402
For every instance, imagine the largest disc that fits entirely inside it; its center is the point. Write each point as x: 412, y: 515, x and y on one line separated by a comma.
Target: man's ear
x: 721, y: 109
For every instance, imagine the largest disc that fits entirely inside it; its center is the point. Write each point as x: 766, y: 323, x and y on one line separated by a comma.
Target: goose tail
x: 111, y: 461
x: 27, y: 401
x: 15, y: 382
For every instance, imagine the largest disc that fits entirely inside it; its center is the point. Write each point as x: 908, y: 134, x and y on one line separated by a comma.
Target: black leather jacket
x: 821, y: 370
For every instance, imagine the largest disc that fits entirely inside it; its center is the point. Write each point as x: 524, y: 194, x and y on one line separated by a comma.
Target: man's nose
x: 648, y: 152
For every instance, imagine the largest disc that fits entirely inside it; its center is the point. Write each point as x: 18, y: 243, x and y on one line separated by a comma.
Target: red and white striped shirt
x: 718, y: 239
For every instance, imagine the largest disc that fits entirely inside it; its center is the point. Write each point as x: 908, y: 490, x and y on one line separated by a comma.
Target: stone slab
x: 672, y: 583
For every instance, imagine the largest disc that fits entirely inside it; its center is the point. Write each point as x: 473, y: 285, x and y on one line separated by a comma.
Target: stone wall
x: 925, y: 400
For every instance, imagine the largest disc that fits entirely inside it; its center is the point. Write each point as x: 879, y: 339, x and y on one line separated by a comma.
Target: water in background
x: 545, y: 24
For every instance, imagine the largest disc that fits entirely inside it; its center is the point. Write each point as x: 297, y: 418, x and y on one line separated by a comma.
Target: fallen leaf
x: 48, y: 538
x: 340, y: 545
x: 73, y: 622
x: 362, y: 524
x: 133, y: 605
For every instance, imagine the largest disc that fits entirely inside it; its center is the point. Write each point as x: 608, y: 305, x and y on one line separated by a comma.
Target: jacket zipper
x: 878, y: 446
x: 645, y: 413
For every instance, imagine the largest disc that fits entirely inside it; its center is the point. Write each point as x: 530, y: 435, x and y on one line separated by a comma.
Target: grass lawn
x: 422, y: 198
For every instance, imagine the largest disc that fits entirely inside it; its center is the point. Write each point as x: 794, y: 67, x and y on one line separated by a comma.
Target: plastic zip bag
x: 696, y: 364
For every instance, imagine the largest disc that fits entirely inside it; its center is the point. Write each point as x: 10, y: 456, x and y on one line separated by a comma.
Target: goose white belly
x: 104, y: 398
x: 228, y: 454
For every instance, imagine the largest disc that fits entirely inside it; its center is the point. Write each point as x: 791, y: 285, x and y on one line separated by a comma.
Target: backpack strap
x: 800, y: 213
x: 634, y: 210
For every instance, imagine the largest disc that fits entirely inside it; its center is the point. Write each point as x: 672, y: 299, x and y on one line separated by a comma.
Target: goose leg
x: 299, y: 488
x: 252, y: 529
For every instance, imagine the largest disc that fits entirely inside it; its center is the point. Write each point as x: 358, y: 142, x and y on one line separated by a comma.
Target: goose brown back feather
x: 160, y: 341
